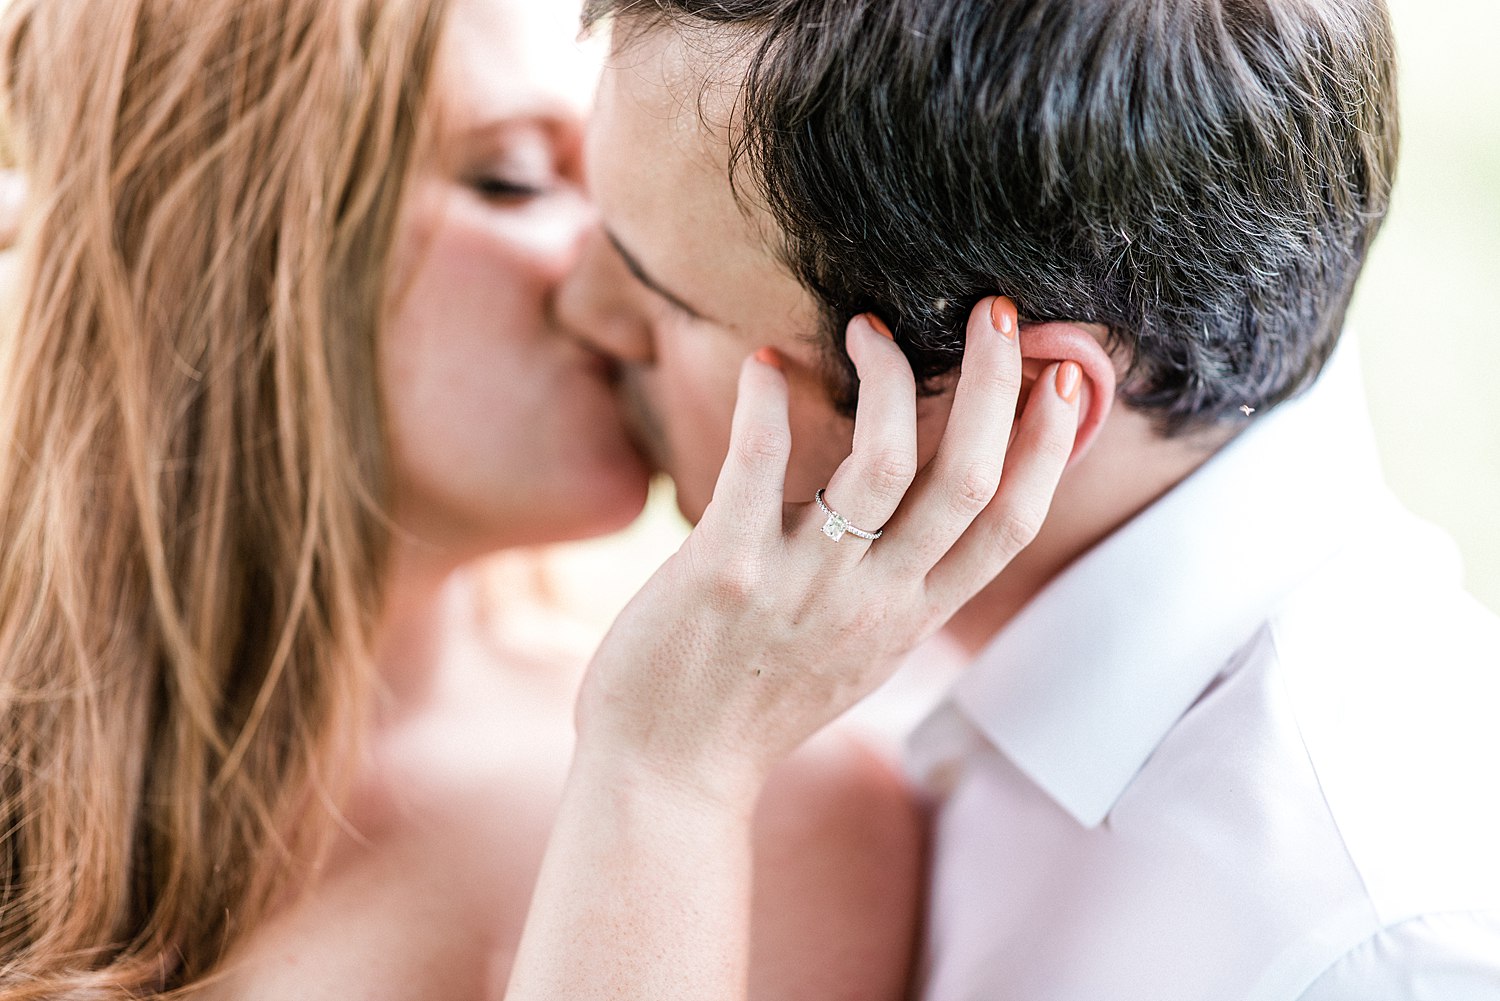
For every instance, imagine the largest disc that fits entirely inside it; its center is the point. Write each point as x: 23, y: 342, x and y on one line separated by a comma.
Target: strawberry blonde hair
x: 193, y: 471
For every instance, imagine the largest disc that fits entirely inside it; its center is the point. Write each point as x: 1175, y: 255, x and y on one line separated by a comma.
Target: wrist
x: 726, y: 788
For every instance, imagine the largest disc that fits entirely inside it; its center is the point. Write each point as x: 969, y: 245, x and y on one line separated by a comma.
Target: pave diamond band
x: 837, y: 526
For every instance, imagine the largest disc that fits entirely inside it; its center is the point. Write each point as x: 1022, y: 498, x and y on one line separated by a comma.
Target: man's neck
x: 1127, y: 470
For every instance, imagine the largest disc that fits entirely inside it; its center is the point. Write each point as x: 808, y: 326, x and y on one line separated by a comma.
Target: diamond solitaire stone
x: 837, y: 526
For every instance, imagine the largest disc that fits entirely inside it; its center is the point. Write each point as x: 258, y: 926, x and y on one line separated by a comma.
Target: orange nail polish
x: 769, y: 356
x: 1003, y: 316
x: 1069, y: 379
x: 880, y: 327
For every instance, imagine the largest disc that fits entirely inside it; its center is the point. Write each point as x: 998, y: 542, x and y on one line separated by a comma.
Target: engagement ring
x: 837, y: 526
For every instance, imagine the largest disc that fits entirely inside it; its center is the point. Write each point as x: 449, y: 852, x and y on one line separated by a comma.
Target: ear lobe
x: 1043, y: 344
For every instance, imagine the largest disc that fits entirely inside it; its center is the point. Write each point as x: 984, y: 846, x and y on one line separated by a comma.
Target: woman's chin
x: 609, y: 514
x: 452, y: 532
x: 606, y: 502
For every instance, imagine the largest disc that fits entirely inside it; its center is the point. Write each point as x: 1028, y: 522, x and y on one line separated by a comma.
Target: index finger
x: 752, y: 483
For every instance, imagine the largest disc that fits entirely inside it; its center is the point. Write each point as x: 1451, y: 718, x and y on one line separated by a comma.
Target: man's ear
x: 1044, y: 344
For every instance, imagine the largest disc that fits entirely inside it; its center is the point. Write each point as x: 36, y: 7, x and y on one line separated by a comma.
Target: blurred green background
x: 1422, y: 311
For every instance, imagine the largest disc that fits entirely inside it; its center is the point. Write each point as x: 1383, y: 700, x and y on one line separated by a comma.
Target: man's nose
x: 599, y: 303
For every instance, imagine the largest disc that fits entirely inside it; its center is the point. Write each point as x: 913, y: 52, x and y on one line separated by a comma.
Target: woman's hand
x: 758, y: 632
x: 761, y: 629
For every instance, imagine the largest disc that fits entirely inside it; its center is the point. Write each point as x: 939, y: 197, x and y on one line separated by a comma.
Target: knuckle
x: 1000, y: 380
x: 1019, y: 528
x: 973, y: 488
x: 759, y: 445
x: 725, y: 585
x: 734, y: 586
x: 890, y: 471
x: 1054, y: 449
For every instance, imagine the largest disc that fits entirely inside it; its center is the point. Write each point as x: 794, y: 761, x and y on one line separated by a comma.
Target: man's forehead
x: 660, y: 157
x: 673, y: 93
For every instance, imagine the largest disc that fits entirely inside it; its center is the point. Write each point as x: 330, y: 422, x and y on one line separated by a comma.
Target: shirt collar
x: 1080, y: 688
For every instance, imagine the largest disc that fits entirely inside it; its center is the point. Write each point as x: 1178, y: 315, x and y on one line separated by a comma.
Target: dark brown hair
x: 1203, y: 177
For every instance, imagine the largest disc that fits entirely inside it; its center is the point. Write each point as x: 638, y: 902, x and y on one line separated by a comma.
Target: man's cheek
x: 698, y: 413
x: 821, y: 440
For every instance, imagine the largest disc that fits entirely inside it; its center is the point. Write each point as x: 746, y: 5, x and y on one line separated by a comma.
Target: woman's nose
x: 554, y: 235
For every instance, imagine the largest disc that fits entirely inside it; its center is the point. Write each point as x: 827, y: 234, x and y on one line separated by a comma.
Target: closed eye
x: 499, y: 189
x: 639, y: 273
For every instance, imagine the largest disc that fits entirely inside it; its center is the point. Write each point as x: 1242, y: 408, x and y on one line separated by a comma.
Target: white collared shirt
x: 1246, y: 749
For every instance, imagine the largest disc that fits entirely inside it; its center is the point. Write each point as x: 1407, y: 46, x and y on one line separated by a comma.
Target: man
x: 1230, y: 728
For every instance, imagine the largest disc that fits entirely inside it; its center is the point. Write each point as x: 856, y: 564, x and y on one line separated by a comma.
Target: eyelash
x: 498, y: 189
x: 678, y: 311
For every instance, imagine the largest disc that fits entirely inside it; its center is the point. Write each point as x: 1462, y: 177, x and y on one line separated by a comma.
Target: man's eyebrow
x: 641, y: 276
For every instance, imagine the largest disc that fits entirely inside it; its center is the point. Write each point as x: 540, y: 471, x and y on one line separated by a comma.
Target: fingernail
x: 769, y: 356
x: 880, y: 327
x: 1003, y: 317
x: 1069, y: 378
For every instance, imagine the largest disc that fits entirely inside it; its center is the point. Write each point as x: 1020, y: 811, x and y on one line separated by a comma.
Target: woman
x: 281, y: 361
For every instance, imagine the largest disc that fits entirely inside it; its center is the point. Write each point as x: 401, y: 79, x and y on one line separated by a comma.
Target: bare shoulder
x: 839, y: 847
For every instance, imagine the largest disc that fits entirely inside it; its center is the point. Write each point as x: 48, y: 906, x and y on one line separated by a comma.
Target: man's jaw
x: 642, y: 424
x: 647, y: 431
